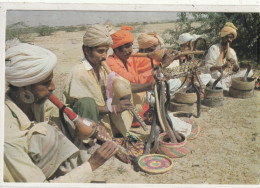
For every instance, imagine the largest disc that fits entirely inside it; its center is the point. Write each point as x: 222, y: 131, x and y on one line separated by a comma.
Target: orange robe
x: 138, y: 70
x: 144, y: 64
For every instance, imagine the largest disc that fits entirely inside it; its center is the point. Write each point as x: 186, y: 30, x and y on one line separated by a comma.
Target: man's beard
x: 226, y: 43
x: 42, y: 100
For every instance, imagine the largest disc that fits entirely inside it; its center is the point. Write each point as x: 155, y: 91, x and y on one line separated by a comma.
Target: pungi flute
x: 121, y: 89
x: 158, y: 54
x: 85, y: 127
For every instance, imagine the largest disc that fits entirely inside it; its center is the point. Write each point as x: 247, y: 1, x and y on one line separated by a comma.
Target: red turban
x: 122, y: 36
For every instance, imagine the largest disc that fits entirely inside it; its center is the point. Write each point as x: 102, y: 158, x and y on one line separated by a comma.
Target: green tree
x: 211, y: 23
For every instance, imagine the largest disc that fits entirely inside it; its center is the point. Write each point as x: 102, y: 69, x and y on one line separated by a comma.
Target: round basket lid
x: 155, y: 163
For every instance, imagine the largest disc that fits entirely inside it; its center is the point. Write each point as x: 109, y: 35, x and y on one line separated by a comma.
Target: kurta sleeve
x: 18, y: 166
x: 234, y: 55
x: 81, y: 174
x: 212, y: 57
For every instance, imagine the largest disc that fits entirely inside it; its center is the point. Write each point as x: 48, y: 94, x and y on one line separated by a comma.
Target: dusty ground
x: 225, y: 152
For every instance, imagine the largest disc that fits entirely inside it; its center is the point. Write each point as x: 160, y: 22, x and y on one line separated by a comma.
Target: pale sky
x: 67, y: 18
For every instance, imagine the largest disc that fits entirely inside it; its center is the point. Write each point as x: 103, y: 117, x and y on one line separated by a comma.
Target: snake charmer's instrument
x: 180, y: 71
x: 158, y: 54
x: 85, y: 127
x: 228, y: 57
x: 122, y: 91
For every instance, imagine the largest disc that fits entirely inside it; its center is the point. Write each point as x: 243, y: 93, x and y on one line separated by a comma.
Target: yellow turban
x: 147, y: 40
x: 229, y: 28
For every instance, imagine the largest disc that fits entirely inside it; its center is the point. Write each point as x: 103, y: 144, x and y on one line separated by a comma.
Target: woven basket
x: 195, y: 129
x: 173, y: 150
x: 151, y: 163
x: 185, y: 98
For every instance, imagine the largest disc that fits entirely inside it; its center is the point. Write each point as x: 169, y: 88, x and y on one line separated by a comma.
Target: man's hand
x: 102, y: 154
x: 102, y: 134
x: 123, y: 105
x: 169, y: 57
x: 198, y: 71
x: 229, y: 63
x: 232, y: 61
x: 226, y: 65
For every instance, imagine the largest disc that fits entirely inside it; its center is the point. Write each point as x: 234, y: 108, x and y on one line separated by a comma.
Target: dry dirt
x: 225, y: 152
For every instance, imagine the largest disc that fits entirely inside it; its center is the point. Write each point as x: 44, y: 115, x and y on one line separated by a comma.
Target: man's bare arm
x: 137, y: 88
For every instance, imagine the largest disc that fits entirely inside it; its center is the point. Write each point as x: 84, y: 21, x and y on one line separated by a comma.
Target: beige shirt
x: 83, y: 82
x: 18, y: 163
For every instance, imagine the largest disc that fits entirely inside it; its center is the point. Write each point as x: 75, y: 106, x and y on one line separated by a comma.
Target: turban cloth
x: 186, y: 37
x: 229, y: 28
x: 97, y: 35
x: 27, y: 64
x: 122, y: 36
x: 147, y: 40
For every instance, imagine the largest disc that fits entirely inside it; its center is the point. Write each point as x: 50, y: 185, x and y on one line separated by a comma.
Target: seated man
x: 89, y: 80
x: 129, y: 67
x: 35, y: 150
x: 149, y: 42
x: 185, y: 41
x: 222, y: 57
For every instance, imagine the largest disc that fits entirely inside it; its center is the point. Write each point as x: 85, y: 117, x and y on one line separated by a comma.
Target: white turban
x: 186, y: 37
x: 27, y: 64
x: 147, y: 40
x: 97, y: 35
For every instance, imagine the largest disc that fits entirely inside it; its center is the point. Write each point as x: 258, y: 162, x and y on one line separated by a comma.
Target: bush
x: 17, y: 30
x: 82, y: 28
x: 70, y: 29
x: 45, y: 30
x: 138, y: 29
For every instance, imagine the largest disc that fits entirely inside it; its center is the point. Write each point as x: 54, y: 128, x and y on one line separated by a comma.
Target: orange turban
x: 229, y: 28
x: 122, y: 36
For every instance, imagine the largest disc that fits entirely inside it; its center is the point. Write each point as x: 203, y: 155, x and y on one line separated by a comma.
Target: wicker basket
x: 173, y: 150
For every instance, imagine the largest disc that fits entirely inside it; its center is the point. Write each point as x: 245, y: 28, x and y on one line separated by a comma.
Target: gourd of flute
x: 85, y: 127
x: 122, y: 91
x: 229, y: 58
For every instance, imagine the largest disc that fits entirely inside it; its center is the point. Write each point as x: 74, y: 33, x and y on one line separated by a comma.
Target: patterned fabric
x: 133, y: 146
x: 148, y: 116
